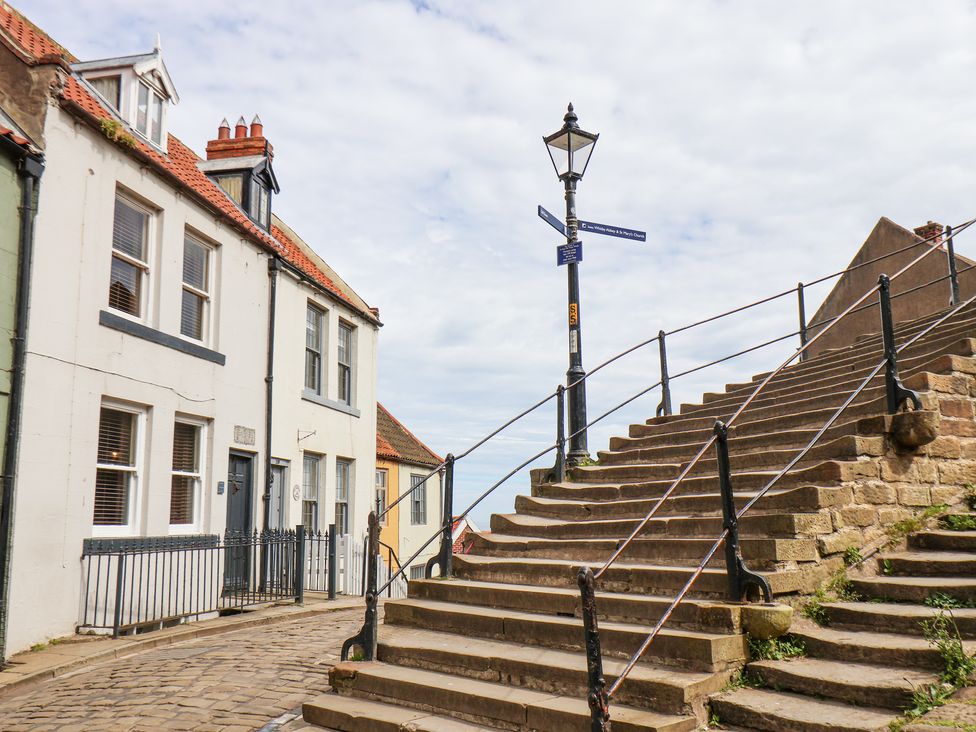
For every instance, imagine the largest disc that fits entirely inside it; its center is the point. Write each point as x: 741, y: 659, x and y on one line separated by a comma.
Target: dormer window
x: 137, y: 88
x: 149, y: 114
x: 241, y: 166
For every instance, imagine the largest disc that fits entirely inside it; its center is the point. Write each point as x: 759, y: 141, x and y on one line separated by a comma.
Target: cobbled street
x: 232, y: 682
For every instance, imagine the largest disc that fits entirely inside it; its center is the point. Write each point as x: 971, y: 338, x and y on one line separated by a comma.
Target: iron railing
x: 153, y: 582
x: 366, y: 638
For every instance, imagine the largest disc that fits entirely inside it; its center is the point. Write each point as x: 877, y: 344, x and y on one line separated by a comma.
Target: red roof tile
x: 10, y: 134
x: 179, y: 162
x: 396, y: 442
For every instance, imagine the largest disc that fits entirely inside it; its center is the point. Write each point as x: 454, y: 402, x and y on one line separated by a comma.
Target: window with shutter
x: 116, y: 473
x: 185, y: 491
x: 196, y: 289
x: 130, y: 266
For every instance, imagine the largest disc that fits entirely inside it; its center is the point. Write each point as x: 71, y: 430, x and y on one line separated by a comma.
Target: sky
x: 756, y: 142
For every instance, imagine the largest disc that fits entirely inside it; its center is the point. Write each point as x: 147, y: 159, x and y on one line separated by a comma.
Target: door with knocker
x: 240, y: 487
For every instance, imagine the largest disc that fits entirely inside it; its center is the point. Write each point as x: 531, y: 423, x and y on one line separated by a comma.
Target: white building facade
x: 193, y: 367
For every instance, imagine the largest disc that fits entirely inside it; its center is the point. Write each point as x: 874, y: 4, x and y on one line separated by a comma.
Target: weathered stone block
x: 766, y: 621
x: 911, y: 430
x: 839, y: 541
x: 950, y: 495
x: 889, y: 516
x: 898, y: 468
x: 954, y: 407
x: 914, y: 495
x: 926, y: 471
x: 958, y: 472
x: 943, y: 447
x: 858, y: 515
x: 874, y: 493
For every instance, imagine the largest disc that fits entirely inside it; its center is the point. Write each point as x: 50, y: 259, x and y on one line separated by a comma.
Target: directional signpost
x: 569, y: 253
x: 617, y: 231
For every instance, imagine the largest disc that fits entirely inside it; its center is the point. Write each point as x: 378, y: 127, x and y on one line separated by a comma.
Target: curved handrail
x: 745, y: 404
x: 773, y: 481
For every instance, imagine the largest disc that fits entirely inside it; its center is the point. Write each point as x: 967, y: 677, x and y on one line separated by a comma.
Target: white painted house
x: 193, y: 366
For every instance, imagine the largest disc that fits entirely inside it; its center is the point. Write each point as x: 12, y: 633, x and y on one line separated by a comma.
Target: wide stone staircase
x: 500, y: 644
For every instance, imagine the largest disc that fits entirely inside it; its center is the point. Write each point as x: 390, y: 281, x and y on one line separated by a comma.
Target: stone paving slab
x: 237, y: 674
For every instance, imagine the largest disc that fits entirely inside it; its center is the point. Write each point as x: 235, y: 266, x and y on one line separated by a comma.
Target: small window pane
x: 142, y: 110
x: 186, y: 447
x: 181, y: 499
x: 115, y: 437
x: 191, y: 316
x: 233, y: 185
x: 310, y: 491
x: 157, y: 120
x: 129, y: 232
x: 342, y: 497
x: 111, y: 497
x: 125, y: 287
x: 116, y: 447
x: 108, y: 87
x: 418, y: 500
x: 195, y: 264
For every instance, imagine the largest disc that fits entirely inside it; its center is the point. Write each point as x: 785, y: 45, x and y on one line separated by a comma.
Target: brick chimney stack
x: 244, y: 143
x: 933, y: 230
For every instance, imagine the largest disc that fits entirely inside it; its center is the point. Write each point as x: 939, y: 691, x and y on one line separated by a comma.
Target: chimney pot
x: 240, y: 129
x: 932, y: 231
x: 223, y: 132
x: 257, y: 128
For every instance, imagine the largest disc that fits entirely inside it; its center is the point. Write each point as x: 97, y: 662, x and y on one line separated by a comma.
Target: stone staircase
x: 870, y: 653
x: 499, y: 646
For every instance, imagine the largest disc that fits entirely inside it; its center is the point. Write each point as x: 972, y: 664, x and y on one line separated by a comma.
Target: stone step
x: 621, y: 577
x: 915, y: 589
x: 850, y: 370
x: 669, y: 551
x: 490, y: 704
x: 659, y: 688
x: 352, y: 714
x: 707, y: 615
x: 881, y: 649
x: 952, y: 541
x: 762, y: 709
x: 891, y: 617
x: 694, y: 650
x: 805, y: 499
x: 855, y: 683
x: 775, y: 525
x: 928, y: 564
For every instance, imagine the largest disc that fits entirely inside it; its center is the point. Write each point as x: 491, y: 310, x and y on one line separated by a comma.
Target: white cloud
x: 757, y: 143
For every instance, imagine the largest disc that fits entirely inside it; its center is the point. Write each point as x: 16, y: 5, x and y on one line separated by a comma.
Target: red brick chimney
x: 241, y: 144
x: 933, y: 230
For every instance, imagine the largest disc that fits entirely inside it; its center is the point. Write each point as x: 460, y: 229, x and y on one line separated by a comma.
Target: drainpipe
x: 274, y: 264
x: 30, y: 170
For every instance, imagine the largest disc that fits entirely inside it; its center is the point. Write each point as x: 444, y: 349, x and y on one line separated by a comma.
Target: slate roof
x: 178, y: 165
x: 395, y: 442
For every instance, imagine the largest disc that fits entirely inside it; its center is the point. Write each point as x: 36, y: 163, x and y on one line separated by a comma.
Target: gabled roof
x: 395, y: 442
x: 142, y: 64
x: 178, y: 166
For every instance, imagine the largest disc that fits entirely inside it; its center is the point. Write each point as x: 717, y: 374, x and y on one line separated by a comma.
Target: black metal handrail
x: 739, y: 576
x: 443, y: 559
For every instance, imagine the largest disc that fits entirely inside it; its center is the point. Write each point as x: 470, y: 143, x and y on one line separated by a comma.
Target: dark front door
x: 240, y: 487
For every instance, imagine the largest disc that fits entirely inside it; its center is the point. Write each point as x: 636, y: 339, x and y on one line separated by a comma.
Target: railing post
x: 119, y: 592
x: 597, y: 695
x: 333, y: 569
x: 447, y: 540
x: 366, y: 637
x: 953, y: 275
x: 300, y: 564
x: 801, y: 304
x: 558, y: 474
x: 895, y: 392
x: 664, y: 408
x: 740, y: 578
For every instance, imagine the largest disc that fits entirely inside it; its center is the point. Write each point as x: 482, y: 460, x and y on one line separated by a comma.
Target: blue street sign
x: 612, y: 231
x: 569, y: 253
x: 552, y: 221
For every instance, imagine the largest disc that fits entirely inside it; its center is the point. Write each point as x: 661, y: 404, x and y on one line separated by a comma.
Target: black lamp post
x: 570, y: 149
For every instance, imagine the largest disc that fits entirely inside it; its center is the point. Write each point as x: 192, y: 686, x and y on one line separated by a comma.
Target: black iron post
x: 119, y: 593
x: 559, y: 469
x: 895, y: 392
x: 740, y: 578
x: 664, y: 408
x: 801, y: 304
x: 597, y: 696
x: 578, y: 451
x: 300, y: 564
x: 953, y: 275
x: 367, y: 635
x: 333, y: 569
x: 446, y: 552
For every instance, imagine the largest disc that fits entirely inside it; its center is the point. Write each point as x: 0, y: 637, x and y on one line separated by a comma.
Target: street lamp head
x: 570, y: 148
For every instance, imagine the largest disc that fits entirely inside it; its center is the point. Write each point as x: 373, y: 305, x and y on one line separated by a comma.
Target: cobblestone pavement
x: 233, y: 682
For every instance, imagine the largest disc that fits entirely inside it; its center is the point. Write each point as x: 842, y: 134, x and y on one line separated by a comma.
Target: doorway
x: 240, y: 493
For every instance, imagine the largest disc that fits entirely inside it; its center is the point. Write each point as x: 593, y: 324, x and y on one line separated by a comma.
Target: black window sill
x: 311, y: 396
x: 138, y: 330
